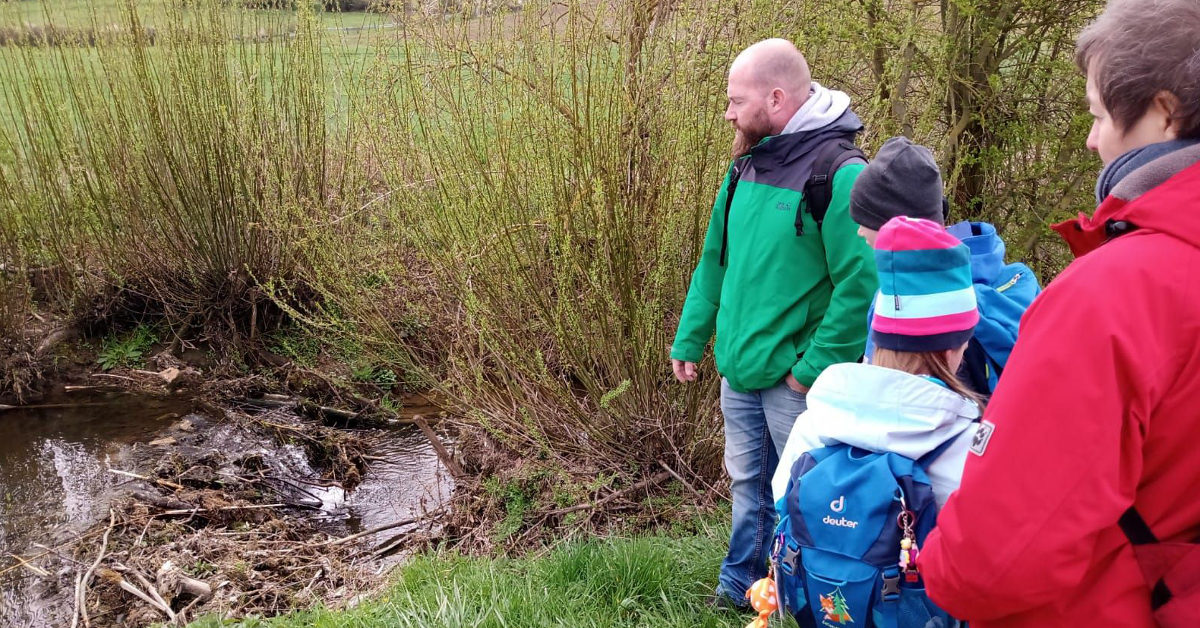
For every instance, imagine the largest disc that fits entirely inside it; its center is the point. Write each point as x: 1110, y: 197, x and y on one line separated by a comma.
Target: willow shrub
x: 14, y: 293
x: 171, y: 166
x: 554, y: 171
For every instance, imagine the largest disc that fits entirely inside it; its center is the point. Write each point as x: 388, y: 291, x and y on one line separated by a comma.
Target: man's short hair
x: 1138, y: 48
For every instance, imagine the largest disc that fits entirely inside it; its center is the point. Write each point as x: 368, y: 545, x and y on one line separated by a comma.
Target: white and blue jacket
x: 881, y: 409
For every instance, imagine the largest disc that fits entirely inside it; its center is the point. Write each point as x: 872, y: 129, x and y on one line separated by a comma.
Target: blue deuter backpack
x: 837, y: 545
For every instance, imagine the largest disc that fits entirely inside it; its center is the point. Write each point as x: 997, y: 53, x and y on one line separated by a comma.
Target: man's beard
x: 749, y: 135
x: 743, y: 142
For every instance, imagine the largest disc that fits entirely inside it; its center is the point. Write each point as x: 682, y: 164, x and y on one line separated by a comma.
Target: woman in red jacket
x: 1099, y: 408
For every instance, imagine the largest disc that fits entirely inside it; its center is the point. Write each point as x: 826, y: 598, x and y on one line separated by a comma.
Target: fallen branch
x: 196, y: 511
x: 162, y: 604
x: 443, y: 454
x: 70, y: 388
x: 281, y: 426
x: 313, y: 409
x: 651, y: 481
x: 680, y: 478
x: 269, y: 403
x: 375, y: 530
x: 178, y: 487
x: 47, y: 406
x: 128, y: 587
x: 111, y: 376
x: 173, y: 582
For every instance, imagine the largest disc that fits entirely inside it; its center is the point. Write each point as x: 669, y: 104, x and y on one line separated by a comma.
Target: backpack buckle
x: 891, y: 588
x: 787, y: 562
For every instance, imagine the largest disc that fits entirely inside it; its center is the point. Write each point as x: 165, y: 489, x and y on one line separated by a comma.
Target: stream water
x: 56, y: 477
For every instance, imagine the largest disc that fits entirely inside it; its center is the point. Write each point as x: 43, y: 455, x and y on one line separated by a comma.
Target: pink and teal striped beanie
x: 926, y: 301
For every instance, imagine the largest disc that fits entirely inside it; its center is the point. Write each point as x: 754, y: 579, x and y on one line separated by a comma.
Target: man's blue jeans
x: 757, y: 425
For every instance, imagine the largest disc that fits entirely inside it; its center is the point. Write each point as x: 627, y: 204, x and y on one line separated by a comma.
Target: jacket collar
x: 1148, y: 197
x: 781, y: 150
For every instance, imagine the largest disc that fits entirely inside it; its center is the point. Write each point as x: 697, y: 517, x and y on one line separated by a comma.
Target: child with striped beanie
x: 926, y: 304
x: 908, y: 400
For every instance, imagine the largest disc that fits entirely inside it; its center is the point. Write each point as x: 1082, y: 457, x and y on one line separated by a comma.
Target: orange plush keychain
x: 765, y: 599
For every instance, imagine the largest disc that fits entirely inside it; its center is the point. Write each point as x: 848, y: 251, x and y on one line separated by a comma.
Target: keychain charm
x: 764, y: 598
x: 908, y: 544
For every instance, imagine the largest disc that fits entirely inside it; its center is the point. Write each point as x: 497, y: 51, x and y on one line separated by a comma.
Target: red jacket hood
x: 1156, y: 210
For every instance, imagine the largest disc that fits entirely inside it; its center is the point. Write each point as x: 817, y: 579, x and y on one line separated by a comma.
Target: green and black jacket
x: 780, y: 301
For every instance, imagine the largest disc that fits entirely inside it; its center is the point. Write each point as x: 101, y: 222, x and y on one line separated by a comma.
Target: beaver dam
x: 131, y: 510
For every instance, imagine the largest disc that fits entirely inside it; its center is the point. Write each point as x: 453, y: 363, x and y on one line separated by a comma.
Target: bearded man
x: 787, y: 296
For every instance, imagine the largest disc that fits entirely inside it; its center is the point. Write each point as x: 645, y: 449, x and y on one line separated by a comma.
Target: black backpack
x: 818, y: 189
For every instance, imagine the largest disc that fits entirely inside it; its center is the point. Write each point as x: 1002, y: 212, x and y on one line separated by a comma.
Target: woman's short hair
x: 1139, y: 48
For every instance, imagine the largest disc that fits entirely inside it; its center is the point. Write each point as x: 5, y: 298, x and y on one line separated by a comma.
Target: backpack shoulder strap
x: 818, y: 190
x: 1135, y: 528
x: 734, y: 177
x: 1139, y: 534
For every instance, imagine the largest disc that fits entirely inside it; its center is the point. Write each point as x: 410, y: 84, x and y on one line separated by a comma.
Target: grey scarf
x: 1125, y: 164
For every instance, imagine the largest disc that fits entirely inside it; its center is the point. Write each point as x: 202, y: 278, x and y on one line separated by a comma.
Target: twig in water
x: 375, y: 530
x: 178, y: 487
x: 443, y: 454
x: 82, y: 584
x: 51, y: 550
x: 389, y: 546
x: 47, y: 406
x: 30, y: 566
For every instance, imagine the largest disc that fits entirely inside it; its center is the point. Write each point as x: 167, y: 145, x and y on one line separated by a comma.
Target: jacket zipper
x: 1010, y: 283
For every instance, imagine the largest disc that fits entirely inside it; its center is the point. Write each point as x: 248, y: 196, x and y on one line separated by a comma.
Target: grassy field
x: 79, y: 13
x: 657, y: 581
x: 349, y: 40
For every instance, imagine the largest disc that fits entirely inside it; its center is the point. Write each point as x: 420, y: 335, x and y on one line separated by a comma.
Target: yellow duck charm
x: 765, y: 599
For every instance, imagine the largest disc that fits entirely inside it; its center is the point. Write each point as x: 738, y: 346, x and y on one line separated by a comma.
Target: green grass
x: 659, y: 581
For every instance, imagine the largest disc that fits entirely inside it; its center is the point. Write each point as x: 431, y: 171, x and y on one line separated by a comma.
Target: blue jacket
x: 1003, y: 292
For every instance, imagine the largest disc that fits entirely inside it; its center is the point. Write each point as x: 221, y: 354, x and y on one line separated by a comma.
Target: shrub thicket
x: 509, y: 206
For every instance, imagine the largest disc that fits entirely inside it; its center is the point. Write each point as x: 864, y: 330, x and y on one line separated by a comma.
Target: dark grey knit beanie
x: 902, y: 180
